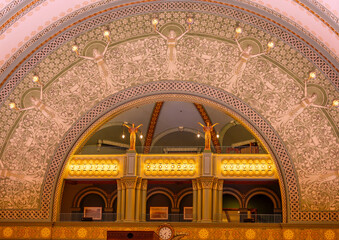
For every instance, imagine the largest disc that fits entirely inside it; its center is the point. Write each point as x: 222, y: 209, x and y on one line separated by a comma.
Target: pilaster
x: 144, y: 185
x: 206, y: 186
x: 130, y: 184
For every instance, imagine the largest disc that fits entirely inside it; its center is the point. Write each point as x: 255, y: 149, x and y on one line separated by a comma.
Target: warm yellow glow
x: 141, y: 136
x: 35, y: 79
x: 190, y: 21
x: 12, y: 105
x: 238, y: 30
x: 247, y: 167
x: 75, y: 48
x: 169, y: 167
x: 198, y: 135
x: 155, y: 22
x: 312, y: 75
x: 335, y: 103
x: 107, y: 34
x: 123, y: 136
x: 270, y: 45
x: 87, y: 168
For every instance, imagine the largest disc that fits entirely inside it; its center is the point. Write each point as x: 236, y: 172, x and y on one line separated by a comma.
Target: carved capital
x: 119, y: 185
x: 220, y: 184
x: 215, y: 184
x: 194, y: 185
x: 139, y: 183
x: 144, y: 184
x: 206, y: 182
x: 130, y: 182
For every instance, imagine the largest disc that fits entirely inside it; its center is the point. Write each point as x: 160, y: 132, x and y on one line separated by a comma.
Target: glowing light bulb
x: 123, y: 136
x: 312, y: 75
x: 335, y: 103
x: 35, y: 79
x: 270, y: 45
x: 189, y: 21
x: 141, y: 136
x: 238, y: 30
x: 12, y: 105
x: 107, y: 34
x: 75, y: 49
x: 198, y: 135
x: 218, y: 135
x: 155, y: 22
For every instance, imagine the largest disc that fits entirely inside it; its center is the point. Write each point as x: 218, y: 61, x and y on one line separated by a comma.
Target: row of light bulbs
x: 248, y: 167
x: 173, y: 167
x: 90, y: 167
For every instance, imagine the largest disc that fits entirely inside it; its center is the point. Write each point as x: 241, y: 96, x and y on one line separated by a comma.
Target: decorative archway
x: 92, y: 190
x: 185, y: 91
x: 263, y: 191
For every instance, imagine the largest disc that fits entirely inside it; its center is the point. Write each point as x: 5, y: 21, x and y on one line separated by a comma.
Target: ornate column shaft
x: 123, y: 201
x: 195, y: 199
x: 143, y: 200
x: 138, y: 200
x: 199, y: 201
x: 215, y: 200
x: 206, y: 186
x: 130, y: 183
x: 119, y: 200
x: 220, y: 198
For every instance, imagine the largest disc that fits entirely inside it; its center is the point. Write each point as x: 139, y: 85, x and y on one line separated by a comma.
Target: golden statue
x: 132, y: 135
x: 207, y: 130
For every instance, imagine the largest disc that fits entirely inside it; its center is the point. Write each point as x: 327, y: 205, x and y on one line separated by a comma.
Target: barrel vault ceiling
x: 36, y: 38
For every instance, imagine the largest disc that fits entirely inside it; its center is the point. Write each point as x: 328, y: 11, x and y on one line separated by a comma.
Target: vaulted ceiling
x: 36, y: 38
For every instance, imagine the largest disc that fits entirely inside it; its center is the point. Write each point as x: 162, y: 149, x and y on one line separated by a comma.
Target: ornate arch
x: 185, y: 91
x: 91, y: 190
x: 264, y: 191
x: 235, y: 193
x: 113, y: 198
x: 161, y: 190
x: 183, y: 193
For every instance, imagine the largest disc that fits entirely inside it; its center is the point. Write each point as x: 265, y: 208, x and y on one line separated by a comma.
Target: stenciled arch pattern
x: 62, y: 37
x: 228, y: 101
x: 47, y: 45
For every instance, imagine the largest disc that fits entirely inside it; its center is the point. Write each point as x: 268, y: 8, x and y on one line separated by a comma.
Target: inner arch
x: 184, y: 91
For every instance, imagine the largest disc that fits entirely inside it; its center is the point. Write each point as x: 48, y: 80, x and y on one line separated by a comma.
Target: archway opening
x: 186, y: 98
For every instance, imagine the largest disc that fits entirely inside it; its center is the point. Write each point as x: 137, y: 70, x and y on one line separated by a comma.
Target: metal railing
x: 175, y: 149
x: 224, y: 218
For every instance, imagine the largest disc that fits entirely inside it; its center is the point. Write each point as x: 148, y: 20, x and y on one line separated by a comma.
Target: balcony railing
x: 224, y: 218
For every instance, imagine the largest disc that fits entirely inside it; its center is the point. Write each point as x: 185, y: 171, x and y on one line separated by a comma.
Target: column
x: 220, y: 198
x: 119, y: 200
x: 130, y: 183
x: 215, y: 199
x: 206, y: 187
x: 138, y: 200
x: 123, y: 203
x: 199, y: 201
x: 143, y: 199
x: 195, y: 199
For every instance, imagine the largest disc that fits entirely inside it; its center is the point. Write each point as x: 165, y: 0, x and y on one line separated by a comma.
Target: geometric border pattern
x: 218, y: 96
x: 110, y: 14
